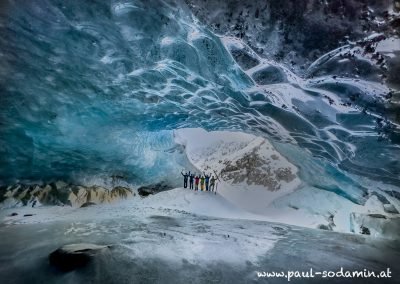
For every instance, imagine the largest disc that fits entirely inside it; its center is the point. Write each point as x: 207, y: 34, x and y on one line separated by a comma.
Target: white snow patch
x: 209, y: 151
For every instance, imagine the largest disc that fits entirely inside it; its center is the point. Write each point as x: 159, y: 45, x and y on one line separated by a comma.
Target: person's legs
x: 185, y: 184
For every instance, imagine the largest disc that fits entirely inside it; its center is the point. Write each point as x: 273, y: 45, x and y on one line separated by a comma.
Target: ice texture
x: 91, y: 91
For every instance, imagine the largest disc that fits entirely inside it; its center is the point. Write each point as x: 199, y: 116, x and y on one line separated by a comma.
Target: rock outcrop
x: 240, y: 159
x: 375, y: 225
x: 153, y: 189
x: 73, y: 256
x: 59, y: 193
x: 296, y: 32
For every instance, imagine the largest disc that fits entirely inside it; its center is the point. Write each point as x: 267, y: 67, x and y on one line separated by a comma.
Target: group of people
x: 206, y: 182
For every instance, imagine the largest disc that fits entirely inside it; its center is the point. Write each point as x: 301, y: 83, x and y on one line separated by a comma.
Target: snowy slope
x: 237, y: 158
x: 298, y: 208
x: 150, y: 242
x: 252, y: 173
x: 183, y: 200
x: 288, y: 202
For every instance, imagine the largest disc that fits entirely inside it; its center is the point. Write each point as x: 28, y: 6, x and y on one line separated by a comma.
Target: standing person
x: 212, y: 184
x: 202, y: 178
x: 191, y: 178
x: 196, y: 183
x: 216, y: 184
x: 185, y: 179
x: 207, y: 178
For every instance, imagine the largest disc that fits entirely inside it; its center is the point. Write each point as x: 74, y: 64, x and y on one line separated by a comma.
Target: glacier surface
x: 93, y: 92
x: 179, y: 236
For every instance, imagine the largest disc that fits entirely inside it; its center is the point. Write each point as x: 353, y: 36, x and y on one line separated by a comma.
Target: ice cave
x: 203, y: 141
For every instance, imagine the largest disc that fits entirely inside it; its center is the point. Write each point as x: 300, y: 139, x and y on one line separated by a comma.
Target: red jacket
x: 196, y: 180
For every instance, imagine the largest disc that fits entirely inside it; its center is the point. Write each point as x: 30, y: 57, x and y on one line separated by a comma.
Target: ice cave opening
x: 294, y: 105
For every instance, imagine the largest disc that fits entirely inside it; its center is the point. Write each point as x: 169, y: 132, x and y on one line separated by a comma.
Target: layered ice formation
x: 93, y: 92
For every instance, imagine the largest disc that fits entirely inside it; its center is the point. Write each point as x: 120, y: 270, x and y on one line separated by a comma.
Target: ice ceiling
x: 96, y: 88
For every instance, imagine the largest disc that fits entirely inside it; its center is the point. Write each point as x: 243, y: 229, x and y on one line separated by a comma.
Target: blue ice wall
x: 95, y: 87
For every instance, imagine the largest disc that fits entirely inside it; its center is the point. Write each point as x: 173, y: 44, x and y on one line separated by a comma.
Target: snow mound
x: 238, y: 157
x: 252, y: 173
x: 198, y: 202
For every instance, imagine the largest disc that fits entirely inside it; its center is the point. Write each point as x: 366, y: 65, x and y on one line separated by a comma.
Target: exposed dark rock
x: 14, y: 214
x: 87, y: 204
x: 120, y: 191
x: 364, y: 230
x: 244, y: 59
x: 377, y: 216
x: 254, y: 169
x: 324, y: 227
x: 73, y: 256
x: 3, y: 190
x: 153, y: 189
x: 279, y: 231
x: 61, y: 194
x: 145, y: 191
x: 28, y: 215
x: 296, y: 32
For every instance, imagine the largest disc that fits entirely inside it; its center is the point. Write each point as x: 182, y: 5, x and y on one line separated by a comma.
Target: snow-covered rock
x: 249, y: 169
x: 252, y: 173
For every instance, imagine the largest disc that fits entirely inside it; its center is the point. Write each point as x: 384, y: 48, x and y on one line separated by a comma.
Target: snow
x: 209, y: 151
x: 294, y: 203
x: 147, y: 236
x: 176, y: 204
x: 193, y: 202
x: 206, y: 149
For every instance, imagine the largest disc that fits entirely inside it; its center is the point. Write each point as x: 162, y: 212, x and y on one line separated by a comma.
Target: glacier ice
x: 94, y: 91
x: 296, y: 107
